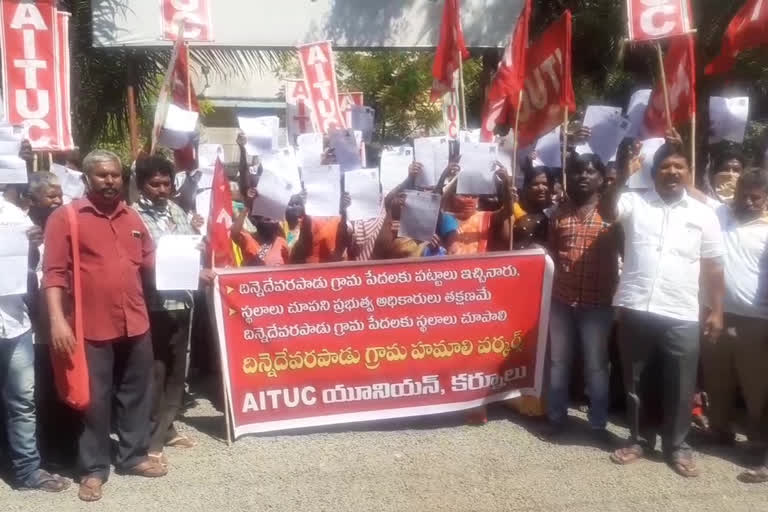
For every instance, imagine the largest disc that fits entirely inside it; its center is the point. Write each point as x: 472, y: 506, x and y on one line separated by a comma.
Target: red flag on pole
x: 183, y: 95
x: 220, y: 221
x: 680, y: 70
x: 548, y: 82
x: 658, y: 19
x: 748, y: 29
x: 448, y: 49
x: 507, y: 83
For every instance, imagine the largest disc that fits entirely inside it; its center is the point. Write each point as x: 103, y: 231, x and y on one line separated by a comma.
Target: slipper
x: 90, y: 489
x: 181, y: 442
x: 754, y: 476
x: 159, y: 458
x: 147, y: 469
x: 41, y: 480
x: 628, y: 455
x: 684, y: 465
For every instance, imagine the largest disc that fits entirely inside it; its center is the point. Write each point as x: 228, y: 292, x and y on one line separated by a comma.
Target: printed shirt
x: 663, y: 248
x: 585, y: 250
x: 746, y: 285
x: 14, y: 315
x: 113, y: 250
x: 168, y: 219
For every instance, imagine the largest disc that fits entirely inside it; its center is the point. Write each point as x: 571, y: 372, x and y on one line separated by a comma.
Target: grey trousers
x: 660, y: 357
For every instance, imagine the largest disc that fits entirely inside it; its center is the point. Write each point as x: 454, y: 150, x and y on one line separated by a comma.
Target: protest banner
x: 348, y: 342
x: 33, y: 74
x: 64, y: 79
x: 549, y: 92
x: 657, y: 19
x: 318, y: 66
x: 194, y: 14
x: 349, y: 100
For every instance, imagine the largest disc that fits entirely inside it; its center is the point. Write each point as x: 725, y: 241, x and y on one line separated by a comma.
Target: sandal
x: 754, y: 476
x: 147, y: 469
x: 628, y: 454
x: 90, y: 489
x: 158, y: 458
x: 41, y: 480
x: 180, y: 441
x: 684, y: 465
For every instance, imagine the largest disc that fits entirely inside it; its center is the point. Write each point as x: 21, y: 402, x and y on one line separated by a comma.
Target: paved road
x: 435, y: 464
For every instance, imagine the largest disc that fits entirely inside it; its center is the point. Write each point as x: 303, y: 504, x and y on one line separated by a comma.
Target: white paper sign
x: 14, y: 259
x: 643, y: 178
x: 638, y: 104
x: 362, y: 120
x: 71, y: 181
x: 433, y: 153
x: 346, y: 148
x: 323, y: 187
x: 549, y: 151
x: 728, y: 119
x: 478, y: 162
x: 310, y: 149
x: 393, y: 168
x: 203, y: 207
x: 177, y: 262
x: 274, y: 194
x: 12, y: 168
x: 418, y: 218
x: 262, y: 134
x: 365, y: 193
x: 608, y: 130
x: 284, y: 163
x: 178, y: 128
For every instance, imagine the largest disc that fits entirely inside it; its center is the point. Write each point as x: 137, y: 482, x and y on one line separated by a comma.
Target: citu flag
x: 504, y: 91
x: 548, y: 83
x: 748, y: 29
x: 183, y: 96
x: 680, y: 72
x: 220, y: 221
x: 449, y: 48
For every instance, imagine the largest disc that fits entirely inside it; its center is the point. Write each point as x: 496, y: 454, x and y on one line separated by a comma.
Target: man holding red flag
x: 450, y: 49
x: 748, y: 29
x: 507, y: 83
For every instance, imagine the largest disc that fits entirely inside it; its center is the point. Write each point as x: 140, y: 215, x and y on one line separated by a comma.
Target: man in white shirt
x: 739, y: 361
x: 17, y: 372
x: 671, y: 242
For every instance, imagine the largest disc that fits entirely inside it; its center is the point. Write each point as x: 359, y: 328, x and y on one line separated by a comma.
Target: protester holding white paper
x: 346, y: 148
x: 364, y: 190
x: 261, y: 133
x: 393, y: 169
x: 433, y: 153
x: 478, y: 163
x: 170, y: 311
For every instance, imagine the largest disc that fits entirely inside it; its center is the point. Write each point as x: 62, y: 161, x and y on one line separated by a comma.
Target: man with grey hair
x: 115, y: 249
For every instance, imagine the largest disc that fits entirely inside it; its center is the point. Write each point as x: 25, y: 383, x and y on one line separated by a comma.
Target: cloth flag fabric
x: 220, y: 221
x: 451, y: 44
x: 548, y: 83
x: 680, y: 71
x: 748, y: 29
x: 504, y: 91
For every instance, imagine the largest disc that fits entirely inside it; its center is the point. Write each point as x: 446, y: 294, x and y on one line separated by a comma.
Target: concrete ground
x: 430, y: 464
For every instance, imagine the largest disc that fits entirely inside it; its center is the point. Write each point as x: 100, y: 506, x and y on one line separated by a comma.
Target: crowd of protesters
x: 670, y: 274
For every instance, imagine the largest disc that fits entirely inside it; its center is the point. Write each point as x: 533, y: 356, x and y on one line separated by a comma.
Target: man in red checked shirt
x: 115, y: 247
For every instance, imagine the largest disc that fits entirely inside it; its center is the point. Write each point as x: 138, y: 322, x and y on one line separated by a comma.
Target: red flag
x: 658, y: 19
x: 183, y: 95
x: 220, y: 221
x: 448, y: 49
x: 319, y: 68
x: 508, y: 81
x: 680, y: 71
x: 748, y: 29
x: 548, y: 83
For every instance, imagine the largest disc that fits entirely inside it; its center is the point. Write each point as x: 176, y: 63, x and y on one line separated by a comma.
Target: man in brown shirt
x: 114, y: 248
x: 584, y: 248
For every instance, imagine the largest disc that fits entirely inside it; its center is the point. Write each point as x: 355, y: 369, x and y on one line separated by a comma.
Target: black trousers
x: 120, y: 374
x: 660, y: 358
x: 170, y: 336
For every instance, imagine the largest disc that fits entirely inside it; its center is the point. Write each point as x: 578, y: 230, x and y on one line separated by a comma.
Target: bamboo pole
x: 565, y: 146
x: 693, y: 149
x: 663, y: 76
x: 515, y: 144
x: 461, y: 92
x: 133, y: 121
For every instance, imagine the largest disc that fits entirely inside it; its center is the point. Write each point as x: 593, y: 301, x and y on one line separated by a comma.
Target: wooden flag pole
x: 189, y: 79
x: 693, y: 148
x: 663, y: 76
x: 461, y: 91
x: 565, y: 145
x: 515, y: 143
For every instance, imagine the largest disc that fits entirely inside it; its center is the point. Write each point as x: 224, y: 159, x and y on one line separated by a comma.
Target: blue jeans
x: 590, y: 328
x: 17, y: 383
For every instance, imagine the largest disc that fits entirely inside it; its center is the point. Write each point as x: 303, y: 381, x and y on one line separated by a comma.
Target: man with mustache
x: 115, y: 248
x: 583, y: 245
x: 672, y: 244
